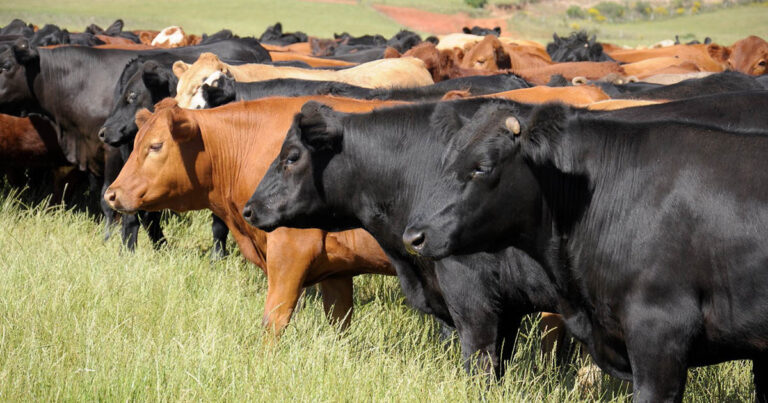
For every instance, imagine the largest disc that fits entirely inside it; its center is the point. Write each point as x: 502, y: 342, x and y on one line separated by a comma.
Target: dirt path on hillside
x: 435, y: 23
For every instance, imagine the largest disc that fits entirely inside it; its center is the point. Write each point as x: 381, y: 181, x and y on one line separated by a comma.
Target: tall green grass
x: 80, y: 319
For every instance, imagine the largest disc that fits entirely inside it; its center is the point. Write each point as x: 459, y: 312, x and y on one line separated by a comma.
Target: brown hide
x: 579, y: 96
x: 700, y: 55
x: 569, y: 70
x: 310, y: 60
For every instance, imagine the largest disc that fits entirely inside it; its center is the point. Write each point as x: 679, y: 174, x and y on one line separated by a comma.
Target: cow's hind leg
x: 337, y: 300
x: 150, y: 220
x: 760, y: 374
x: 220, y: 232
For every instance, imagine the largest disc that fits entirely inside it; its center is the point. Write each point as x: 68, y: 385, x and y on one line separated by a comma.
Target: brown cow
x: 749, y: 56
x: 700, y: 55
x: 214, y: 159
x: 570, y: 70
x: 582, y: 95
x: 31, y: 142
x: 493, y: 55
x: 310, y: 60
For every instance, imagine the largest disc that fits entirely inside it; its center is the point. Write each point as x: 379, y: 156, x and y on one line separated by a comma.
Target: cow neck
x: 238, y: 163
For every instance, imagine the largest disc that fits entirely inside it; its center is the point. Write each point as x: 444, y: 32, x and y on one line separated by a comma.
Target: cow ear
x: 142, y: 116
x: 24, y: 52
x: 320, y: 127
x: 115, y: 28
x: 179, y: 68
x: 497, y: 30
x: 556, y: 38
x: 466, y: 30
x: 542, y: 130
x: 446, y: 120
x: 160, y: 82
x: 721, y: 54
x: 184, y: 126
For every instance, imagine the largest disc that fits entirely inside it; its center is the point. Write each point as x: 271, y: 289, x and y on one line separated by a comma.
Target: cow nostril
x: 247, y: 212
x: 102, y: 133
x: 414, y: 239
x: 111, y: 196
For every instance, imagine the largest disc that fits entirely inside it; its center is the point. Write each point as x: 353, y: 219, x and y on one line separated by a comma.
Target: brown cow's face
x: 487, y: 54
x: 750, y: 56
x: 168, y: 168
x: 191, y: 77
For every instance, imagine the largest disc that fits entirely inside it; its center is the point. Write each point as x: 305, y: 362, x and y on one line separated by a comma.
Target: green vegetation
x: 476, y: 3
x: 724, y: 26
x: 81, y: 320
x: 245, y: 17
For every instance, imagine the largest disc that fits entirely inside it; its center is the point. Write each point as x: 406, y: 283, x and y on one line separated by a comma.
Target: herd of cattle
x: 624, y: 189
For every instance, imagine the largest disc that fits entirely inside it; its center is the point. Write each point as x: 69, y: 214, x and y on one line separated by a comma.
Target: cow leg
x: 337, y: 300
x: 130, y: 226
x: 150, y: 220
x: 658, y: 348
x: 220, y: 232
x: 553, y: 333
x: 760, y: 374
x: 282, y: 297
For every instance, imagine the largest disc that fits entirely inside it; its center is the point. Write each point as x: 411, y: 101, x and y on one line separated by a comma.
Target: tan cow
x: 384, y: 73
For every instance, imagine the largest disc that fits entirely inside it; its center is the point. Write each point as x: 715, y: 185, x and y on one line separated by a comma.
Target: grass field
x: 81, y: 320
x: 323, y: 19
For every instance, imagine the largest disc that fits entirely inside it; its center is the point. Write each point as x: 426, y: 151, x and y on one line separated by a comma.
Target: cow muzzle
x: 113, y: 198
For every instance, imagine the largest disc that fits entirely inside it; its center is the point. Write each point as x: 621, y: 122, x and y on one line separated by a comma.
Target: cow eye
x: 762, y: 63
x: 292, y: 157
x: 481, y: 170
x: 131, y: 97
x: 155, y: 147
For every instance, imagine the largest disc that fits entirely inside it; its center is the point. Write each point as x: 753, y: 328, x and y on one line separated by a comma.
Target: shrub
x: 575, y: 12
x: 611, y: 10
x: 643, y: 8
x: 661, y: 10
x: 476, y: 3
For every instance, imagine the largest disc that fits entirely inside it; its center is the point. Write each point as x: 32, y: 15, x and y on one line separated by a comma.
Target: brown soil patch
x: 435, y: 23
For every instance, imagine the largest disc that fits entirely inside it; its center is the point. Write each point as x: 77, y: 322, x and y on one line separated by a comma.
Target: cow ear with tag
x: 179, y: 68
x: 184, y: 126
x: 24, y: 52
x: 319, y: 127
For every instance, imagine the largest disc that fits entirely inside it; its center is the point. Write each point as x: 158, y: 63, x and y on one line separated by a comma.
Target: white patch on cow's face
x: 198, y: 101
x: 171, y: 36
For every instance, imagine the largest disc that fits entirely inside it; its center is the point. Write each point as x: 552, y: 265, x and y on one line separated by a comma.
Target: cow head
x: 141, y: 85
x: 749, y: 56
x: 192, y: 76
x: 488, y: 54
x: 289, y: 193
x: 483, y: 186
x: 14, y: 61
x: 218, y: 89
x: 168, y: 165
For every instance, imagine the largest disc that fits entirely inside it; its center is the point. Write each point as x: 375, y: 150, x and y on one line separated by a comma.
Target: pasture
x: 82, y: 319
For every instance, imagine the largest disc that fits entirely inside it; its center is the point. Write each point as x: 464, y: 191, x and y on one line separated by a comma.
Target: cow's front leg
x: 150, y: 220
x: 337, y: 300
x: 760, y: 374
x: 658, y: 344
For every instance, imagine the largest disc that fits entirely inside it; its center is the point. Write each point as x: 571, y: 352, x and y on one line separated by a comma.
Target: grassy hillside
x: 245, y: 17
x: 81, y: 320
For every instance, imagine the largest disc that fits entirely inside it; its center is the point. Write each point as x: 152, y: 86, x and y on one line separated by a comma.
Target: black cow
x: 225, y: 89
x: 480, y: 31
x: 56, y: 75
x: 651, y: 228
x: 483, y: 295
x: 142, y: 84
x: 274, y: 35
x: 404, y: 40
x: 116, y: 30
x: 727, y: 81
x: 578, y: 47
x: 18, y: 27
